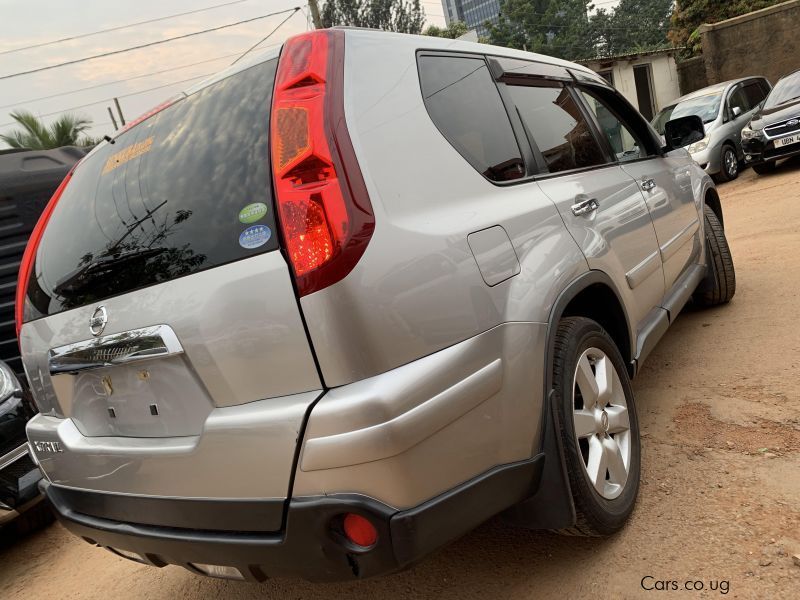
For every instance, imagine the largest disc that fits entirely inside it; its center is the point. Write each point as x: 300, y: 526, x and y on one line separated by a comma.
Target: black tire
x: 38, y: 516
x: 596, y: 515
x: 719, y: 284
x: 764, y: 168
x: 729, y: 164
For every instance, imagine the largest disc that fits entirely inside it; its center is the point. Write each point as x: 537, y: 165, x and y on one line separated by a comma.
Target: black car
x: 774, y: 131
x: 28, y: 179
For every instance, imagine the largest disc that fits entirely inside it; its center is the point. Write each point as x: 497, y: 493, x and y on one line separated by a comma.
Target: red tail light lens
x: 28, y: 256
x: 324, y: 211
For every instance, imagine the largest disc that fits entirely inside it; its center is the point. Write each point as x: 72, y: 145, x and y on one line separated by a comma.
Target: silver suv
x: 341, y: 303
x: 725, y: 108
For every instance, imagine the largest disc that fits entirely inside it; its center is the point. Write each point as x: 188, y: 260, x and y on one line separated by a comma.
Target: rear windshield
x: 186, y: 190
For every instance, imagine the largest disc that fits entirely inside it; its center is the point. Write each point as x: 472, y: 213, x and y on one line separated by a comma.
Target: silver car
x: 336, y: 306
x: 725, y: 108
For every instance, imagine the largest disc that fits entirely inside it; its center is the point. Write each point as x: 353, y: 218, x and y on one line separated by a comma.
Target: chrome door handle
x: 648, y: 185
x: 585, y: 207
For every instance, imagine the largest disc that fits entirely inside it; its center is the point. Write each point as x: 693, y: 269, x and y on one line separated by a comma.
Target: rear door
x: 158, y: 293
x: 599, y: 202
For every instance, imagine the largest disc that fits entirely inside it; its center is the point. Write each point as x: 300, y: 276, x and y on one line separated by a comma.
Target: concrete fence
x: 765, y: 42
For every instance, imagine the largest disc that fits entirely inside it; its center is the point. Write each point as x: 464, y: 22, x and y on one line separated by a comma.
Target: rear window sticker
x: 120, y: 158
x: 255, y: 236
x: 253, y: 212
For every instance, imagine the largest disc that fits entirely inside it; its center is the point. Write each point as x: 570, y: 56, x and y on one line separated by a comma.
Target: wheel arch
x: 713, y: 202
x: 552, y: 506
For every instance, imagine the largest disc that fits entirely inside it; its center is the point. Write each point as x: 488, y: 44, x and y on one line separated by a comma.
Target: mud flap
x: 551, y: 507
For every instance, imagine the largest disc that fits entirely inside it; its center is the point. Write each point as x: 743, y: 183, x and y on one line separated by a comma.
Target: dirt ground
x: 719, y: 507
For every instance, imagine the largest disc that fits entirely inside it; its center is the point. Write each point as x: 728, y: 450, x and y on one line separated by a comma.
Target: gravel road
x: 719, y: 507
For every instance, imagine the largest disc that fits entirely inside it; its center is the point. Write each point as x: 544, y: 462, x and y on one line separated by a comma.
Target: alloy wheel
x: 731, y: 163
x: 602, y: 423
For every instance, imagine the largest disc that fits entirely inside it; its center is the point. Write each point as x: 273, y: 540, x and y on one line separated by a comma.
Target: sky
x: 170, y: 67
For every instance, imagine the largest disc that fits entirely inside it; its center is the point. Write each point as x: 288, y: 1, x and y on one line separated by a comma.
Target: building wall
x: 765, y: 42
x: 473, y: 12
x: 664, y: 77
x: 692, y: 75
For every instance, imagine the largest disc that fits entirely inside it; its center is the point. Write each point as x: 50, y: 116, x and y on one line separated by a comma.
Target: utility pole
x: 314, y: 7
x: 113, y: 120
x: 119, y: 110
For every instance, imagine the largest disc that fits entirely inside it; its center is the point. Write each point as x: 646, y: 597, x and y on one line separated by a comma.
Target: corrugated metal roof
x: 628, y: 56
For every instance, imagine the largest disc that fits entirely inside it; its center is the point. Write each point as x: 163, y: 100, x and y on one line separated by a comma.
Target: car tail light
x: 324, y: 211
x: 29, y: 255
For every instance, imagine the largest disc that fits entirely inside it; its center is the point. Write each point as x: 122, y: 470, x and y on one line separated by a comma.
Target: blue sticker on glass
x: 255, y: 236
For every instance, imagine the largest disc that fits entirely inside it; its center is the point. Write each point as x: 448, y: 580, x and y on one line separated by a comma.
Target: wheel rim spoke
x: 604, y: 371
x: 585, y: 379
x: 585, y: 424
x: 597, y: 464
x: 617, y: 473
x: 618, y: 419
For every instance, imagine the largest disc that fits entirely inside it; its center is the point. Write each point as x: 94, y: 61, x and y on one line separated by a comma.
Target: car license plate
x: 789, y: 139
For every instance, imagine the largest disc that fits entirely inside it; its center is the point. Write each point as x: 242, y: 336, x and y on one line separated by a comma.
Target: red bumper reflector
x: 359, y: 530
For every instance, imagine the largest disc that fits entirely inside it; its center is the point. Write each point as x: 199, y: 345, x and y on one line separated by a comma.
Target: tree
x: 403, y: 16
x: 556, y: 27
x: 690, y: 14
x: 67, y: 130
x: 634, y: 25
x: 454, y: 29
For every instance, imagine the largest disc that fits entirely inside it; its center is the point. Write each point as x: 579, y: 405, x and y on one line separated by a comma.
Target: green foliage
x: 633, y: 26
x: 556, y: 27
x: 404, y: 16
x: 690, y: 14
x: 565, y: 28
x: 454, y: 30
x: 35, y: 135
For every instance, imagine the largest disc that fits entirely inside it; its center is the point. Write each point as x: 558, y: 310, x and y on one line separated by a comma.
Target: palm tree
x: 35, y: 135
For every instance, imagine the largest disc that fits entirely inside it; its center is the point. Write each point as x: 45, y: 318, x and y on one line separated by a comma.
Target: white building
x: 649, y: 80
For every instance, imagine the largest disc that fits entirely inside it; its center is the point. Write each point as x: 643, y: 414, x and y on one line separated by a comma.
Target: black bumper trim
x: 308, y: 547
x: 184, y: 513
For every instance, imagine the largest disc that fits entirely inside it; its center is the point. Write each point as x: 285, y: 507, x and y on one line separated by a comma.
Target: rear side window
x: 557, y: 126
x: 464, y: 103
x: 186, y: 190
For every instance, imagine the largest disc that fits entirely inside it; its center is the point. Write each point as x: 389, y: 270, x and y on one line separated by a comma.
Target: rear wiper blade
x: 80, y: 276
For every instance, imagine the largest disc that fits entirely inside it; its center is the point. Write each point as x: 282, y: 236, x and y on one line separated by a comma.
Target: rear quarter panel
x: 418, y: 289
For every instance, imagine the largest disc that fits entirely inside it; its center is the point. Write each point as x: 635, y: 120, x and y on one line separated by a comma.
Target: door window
x: 737, y: 103
x: 557, y: 126
x: 624, y: 143
x: 754, y: 94
x: 464, y: 103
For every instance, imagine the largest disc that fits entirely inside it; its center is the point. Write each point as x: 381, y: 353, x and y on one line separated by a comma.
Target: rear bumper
x: 309, y: 546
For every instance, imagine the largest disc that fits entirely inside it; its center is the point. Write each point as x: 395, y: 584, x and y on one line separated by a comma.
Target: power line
x: 266, y: 37
x: 99, y: 85
x: 158, y: 87
x: 147, y: 45
x: 119, y: 27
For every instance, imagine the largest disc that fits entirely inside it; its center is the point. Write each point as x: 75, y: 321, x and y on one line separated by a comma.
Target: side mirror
x: 737, y: 111
x: 684, y: 131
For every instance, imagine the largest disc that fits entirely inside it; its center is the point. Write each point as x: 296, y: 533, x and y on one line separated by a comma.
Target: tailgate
x: 162, y: 334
